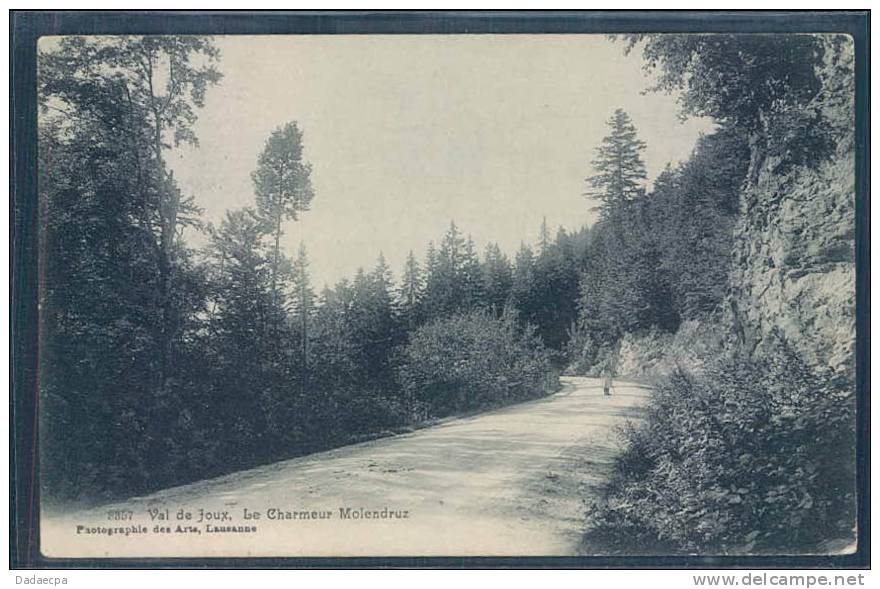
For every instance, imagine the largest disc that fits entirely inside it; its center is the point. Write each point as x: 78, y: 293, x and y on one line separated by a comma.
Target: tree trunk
x: 166, y: 232
x: 275, y: 259
x: 279, y: 212
x: 305, y: 329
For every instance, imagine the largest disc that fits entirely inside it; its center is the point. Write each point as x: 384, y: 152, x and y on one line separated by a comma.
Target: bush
x: 752, y: 456
x: 471, y: 361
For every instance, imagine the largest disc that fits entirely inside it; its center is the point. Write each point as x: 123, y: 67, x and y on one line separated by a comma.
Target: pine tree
x: 242, y: 359
x: 544, y: 239
x: 383, y: 284
x: 497, y: 278
x: 372, y: 325
x: 282, y: 182
x: 431, y: 298
x: 555, y: 288
x: 620, y: 171
x: 303, y: 302
x: 430, y: 260
x: 384, y: 329
x: 469, y: 279
x: 333, y: 347
x: 449, y: 262
x: 411, y: 291
x: 522, y: 288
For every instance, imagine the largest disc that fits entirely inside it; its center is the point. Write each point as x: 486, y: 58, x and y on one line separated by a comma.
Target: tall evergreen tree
x: 282, y: 182
x: 303, y: 303
x: 383, y: 286
x: 449, y: 261
x: 443, y: 273
x: 372, y: 325
x: 497, y: 278
x: 385, y: 332
x: 244, y: 365
x: 469, y: 280
x: 620, y: 171
x: 333, y: 347
x: 555, y: 289
x: 411, y: 291
x: 522, y: 288
x: 544, y: 236
x: 431, y: 298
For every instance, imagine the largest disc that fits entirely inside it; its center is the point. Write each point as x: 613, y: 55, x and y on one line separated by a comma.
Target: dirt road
x: 508, y: 482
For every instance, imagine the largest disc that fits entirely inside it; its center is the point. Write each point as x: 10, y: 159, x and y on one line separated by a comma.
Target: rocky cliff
x: 792, y: 276
x: 792, y: 272
x: 793, y: 268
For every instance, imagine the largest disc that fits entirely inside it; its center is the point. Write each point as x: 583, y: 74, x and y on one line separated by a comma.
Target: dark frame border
x: 27, y: 26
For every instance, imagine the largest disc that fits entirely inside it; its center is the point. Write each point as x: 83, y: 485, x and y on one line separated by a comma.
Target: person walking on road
x: 606, y: 379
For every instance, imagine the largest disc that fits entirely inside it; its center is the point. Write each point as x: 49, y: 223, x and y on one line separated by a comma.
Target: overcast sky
x: 407, y: 132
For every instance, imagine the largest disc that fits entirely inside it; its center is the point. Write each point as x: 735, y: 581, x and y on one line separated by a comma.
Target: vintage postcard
x: 446, y: 295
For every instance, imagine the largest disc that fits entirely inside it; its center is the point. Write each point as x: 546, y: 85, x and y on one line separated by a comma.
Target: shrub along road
x: 507, y: 482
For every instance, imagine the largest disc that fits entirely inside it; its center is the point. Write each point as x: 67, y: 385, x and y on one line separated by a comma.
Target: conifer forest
x: 177, y: 346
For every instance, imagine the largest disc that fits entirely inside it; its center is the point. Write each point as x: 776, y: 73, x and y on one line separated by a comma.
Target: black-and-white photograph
x: 446, y: 295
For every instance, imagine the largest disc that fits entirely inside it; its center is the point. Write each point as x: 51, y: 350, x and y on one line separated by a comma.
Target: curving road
x: 508, y: 482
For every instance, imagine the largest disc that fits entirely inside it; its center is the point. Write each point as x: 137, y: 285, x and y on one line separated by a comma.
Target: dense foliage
x: 660, y: 257
x: 751, y: 456
x: 471, y: 361
x: 773, y: 88
x: 119, y: 287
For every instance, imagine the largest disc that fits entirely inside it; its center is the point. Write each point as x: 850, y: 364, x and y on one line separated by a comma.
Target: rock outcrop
x: 793, y: 264
x: 654, y: 353
x: 793, y: 268
x: 792, y: 276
